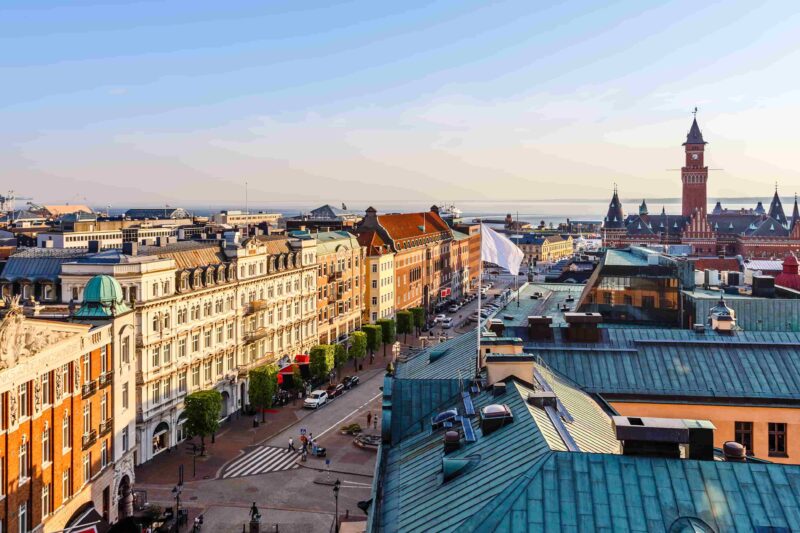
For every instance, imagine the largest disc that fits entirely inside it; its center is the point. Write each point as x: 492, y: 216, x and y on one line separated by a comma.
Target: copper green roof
x: 102, y: 298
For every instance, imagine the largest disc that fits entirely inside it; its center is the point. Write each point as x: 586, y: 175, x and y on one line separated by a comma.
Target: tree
x: 202, y: 414
x: 419, y: 317
x: 374, y: 334
x: 263, y: 384
x: 388, y: 332
x: 321, y: 360
x: 405, y: 324
x: 340, y: 357
x: 358, y: 346
x: 297, y: 377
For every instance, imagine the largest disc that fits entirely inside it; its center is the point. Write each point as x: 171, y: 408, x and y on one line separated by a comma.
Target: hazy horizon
x: 375, y: 102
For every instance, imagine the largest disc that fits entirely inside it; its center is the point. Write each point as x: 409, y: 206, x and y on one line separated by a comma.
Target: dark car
x: 335, y: 390
x: 350, y: 381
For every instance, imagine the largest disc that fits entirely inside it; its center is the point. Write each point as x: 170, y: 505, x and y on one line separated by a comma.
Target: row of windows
x: 777, y: 445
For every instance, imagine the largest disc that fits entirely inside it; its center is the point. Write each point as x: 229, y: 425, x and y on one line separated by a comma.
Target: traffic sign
x: 302, y: 431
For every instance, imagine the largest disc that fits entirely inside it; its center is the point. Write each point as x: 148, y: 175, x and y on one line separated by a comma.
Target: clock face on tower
x: 695, y: 156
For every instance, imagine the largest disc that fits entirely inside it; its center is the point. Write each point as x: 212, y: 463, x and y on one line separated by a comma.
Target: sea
x: 532, y: 211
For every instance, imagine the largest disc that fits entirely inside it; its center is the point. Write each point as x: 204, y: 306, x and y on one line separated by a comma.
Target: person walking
x: 291, y: 445
x: 369, y: 418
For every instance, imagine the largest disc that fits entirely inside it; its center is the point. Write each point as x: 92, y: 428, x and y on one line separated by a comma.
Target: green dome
x: 102, y: 298
x: 103, y: 290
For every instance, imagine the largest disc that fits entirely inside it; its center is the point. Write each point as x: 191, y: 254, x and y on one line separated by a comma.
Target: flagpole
x: 480, y: 286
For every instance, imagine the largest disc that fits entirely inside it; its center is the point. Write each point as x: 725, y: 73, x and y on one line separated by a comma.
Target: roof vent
x: 452, y: 441
x: 542, y: 399
x: 494, y: 417
x: 445, y: 418
x: 734, y: 452
x: 453, y: 467
x: 699, y: 329
x: 498, y: 389
x: 436, y: 353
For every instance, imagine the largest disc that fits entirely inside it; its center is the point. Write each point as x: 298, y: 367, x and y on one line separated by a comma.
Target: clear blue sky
x: 150, y: 102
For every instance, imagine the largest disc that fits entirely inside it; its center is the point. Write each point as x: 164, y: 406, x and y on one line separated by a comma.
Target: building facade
x: 205, y: 314
x: 421, y: 244
x: 340, y: 285
x: 57, y: 445
x: 378, y: 277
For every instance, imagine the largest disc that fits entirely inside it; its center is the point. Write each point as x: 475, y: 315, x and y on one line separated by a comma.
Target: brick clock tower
x: 694, y: 173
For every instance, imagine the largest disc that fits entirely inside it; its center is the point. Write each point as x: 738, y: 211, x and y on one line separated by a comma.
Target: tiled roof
x: 764, y: 264
x: 717, y: 263
x: 642, y: 362
x: 58, y: 210
x: 373, y: 242
x: 188, y: 254
x: 410, y: 225
x: 276, y: 244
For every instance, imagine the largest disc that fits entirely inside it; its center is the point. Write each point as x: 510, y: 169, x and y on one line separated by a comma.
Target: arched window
x: 155, y: 322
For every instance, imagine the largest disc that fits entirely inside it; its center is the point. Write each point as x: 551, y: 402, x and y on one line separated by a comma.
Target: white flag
x: 498, y: 249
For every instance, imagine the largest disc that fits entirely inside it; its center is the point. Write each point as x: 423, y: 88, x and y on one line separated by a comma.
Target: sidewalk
x: 234, y: 437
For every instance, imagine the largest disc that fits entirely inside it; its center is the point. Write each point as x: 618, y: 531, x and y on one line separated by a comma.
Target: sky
x: 182, y: 103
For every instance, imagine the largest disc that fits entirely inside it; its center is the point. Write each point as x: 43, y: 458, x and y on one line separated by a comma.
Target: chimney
x: 435, y: 209
x: 498, y: 389
x: 583, y: 327
x: 47, y: 244
x: 764, y: 286
x: 94, y: 247
x: 539, y: 328
x: 130, y: 248
x: 663, y: 437
x: 734, y: 452
x: 497, y: 327
x: 452, y: 441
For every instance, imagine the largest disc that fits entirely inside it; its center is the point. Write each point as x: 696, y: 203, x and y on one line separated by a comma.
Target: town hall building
x: 748, y: 232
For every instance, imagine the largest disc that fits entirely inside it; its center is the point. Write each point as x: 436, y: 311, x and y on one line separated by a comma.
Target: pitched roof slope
x: 409, y: 225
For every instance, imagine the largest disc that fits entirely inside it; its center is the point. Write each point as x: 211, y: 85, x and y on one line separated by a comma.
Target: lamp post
x: 336, y: 485
x: 176, y: 490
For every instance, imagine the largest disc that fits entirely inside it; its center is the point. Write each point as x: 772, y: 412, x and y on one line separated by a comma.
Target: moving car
x: 447, y: 323
x: 316, y: 399
x: 453, y: 308
x: 438, y: 318
x: 350, y: 381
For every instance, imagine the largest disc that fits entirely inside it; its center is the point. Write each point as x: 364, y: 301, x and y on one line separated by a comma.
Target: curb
x: 332, y: 471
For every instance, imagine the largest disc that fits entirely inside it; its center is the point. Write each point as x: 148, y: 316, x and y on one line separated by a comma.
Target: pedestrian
x: 375, y: 422
x: 369, y: 418
x: 304, y: 447
x: 291, y: 445
x: 310, y: 436
x: 304, y: 456
x: 313, y: 447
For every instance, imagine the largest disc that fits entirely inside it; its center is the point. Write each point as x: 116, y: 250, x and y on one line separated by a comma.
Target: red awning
x: 302, y: 358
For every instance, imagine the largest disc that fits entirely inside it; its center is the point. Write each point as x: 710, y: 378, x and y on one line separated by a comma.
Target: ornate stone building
x: 340, y: 285
x: 58, y: 427
x: 746, y: 232
x: 205, y: 314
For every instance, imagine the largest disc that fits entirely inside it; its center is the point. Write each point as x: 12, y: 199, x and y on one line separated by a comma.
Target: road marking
x: 260, y: 461
x: 357, y: 409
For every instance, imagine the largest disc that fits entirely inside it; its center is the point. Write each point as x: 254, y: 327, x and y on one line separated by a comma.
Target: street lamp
x: 176, y: 490
x: 336, y: 485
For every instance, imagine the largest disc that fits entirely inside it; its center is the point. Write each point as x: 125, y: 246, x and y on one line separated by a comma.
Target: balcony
x: 105, y: 427
x: 337, y: 274
x: 89, y: 438
x: 255, y: 306
x: 106, y: 379
x: 255, y: 335
x: 88, y: 389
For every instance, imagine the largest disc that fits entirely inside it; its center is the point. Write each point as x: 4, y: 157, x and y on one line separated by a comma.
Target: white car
x: 453, y: 308
x: 438, y: 318
x: 316, y: 399
x: 447, y: 323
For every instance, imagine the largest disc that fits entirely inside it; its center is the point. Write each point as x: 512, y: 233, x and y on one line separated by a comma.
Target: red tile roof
x: 716, y: 263
x: 411, y: 225
x: 372, y: 241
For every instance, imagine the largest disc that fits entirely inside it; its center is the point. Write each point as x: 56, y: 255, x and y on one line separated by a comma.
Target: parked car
x: 439, y: 318
x: 447, y: 323
x: 316, y: 399
x: 335, y: 390
x: 350, y: 381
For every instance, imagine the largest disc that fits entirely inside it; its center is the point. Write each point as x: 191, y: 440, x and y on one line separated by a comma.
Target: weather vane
x: 695, y: 112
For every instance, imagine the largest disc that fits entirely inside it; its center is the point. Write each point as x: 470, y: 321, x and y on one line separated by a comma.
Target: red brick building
x: 421, y: 243
x: 56, y: 444
x: 747, y: 232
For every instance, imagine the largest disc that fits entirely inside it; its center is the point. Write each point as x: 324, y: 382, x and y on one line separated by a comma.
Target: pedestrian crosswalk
x: 260, y: 461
